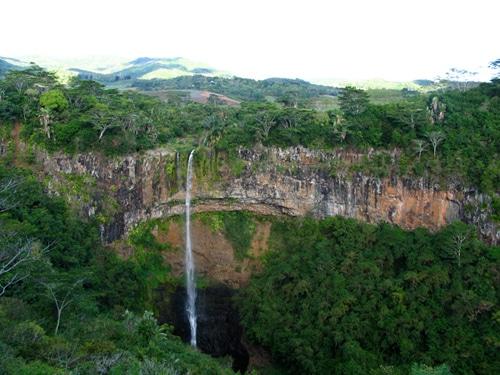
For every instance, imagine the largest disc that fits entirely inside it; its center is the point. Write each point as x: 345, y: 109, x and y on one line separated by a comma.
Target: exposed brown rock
x: 213, y: 255
x: 293, y: 182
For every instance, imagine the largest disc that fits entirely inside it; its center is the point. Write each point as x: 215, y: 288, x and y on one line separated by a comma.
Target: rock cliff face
x: 124, y: 191
x: 294, y: 182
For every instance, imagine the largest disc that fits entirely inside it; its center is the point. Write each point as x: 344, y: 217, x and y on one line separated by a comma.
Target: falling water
x: 190, y: 281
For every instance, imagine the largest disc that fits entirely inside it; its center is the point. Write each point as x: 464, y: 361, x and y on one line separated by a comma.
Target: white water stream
x: 190, y: 276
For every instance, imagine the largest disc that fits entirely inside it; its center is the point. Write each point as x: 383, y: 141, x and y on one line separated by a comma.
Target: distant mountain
x: 120, y: 72
x: 369, y: 84
x: 7, y: 63
x: 107, y: 69
x: 149, y: 68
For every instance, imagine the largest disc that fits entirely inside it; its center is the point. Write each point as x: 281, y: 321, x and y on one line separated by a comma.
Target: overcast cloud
x: 398, y: 40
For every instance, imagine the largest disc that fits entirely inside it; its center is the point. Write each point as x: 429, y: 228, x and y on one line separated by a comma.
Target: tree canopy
x: 67, y: 305
x: 352, y: 298
x: 452, y: 131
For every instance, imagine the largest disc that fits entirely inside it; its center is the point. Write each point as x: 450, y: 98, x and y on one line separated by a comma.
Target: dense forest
x: 70, y: 306
x: 241, y: 88
x: 333, y: 295
x: 360, y: 299
x: 450, y: 135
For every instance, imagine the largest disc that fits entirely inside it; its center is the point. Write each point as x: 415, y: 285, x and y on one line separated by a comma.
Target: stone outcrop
x: 294, y: 182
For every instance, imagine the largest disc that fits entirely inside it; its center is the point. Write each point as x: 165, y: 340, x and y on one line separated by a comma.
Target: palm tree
x: 214, y: 128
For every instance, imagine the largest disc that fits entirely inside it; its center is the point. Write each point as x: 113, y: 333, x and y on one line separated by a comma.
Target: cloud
x: 359, y: 38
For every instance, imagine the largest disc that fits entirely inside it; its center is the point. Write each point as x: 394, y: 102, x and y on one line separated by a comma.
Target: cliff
x: 295, y: 182
x: 125, y: 191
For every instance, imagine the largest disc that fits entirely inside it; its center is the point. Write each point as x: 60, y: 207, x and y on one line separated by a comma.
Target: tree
x: 214, y: 128
x: 15, y: 254
x: 63, y: 290
x: 435, y: 137
x: 490, y: 178
x: 8, y: 188
x: 353, y: 101
x: 410, y: 113
x: 16, y: 251
x: 83, y: 94
x: 264, y: 115
x: 103, y: 119
x: 420, y: 146
x: 495, y: 66
x: 54, y: 99
x: 459, y: 79
x: 87, y: 87
x: 33, y: 77
x: 215, y: 99
x: 459, y: 235
x: 290, y: 98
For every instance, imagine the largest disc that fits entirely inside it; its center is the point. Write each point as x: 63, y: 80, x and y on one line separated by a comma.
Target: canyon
x: 270, y: 183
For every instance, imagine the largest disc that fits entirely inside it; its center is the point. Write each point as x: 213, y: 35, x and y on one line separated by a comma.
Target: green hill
x: 107, y: 69
x: 147, y: 68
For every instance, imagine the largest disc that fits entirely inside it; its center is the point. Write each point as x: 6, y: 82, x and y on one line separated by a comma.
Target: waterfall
x: 190, y: 277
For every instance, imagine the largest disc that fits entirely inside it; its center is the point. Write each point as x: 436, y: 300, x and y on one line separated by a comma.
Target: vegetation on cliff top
x: 452, y: 132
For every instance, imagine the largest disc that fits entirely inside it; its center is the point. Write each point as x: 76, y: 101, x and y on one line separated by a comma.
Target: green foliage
x: 66, y: 133
x: 239, y: 229
x: 148, y: 253
x: 417, y: 369
x: 237, y: 166
x: 118, y: 284
x: 49, y: 221
x: 32, y: 368
x: 142, y: 238
x: 129, y: 344
x: 457, y: 128
x: 54, y: 99
x: 495, y: 206
x: 490, y: 179
x: 337, y: 295
x: 353, y: 101
x: 66, y: 314
x: 78, y: 185
x: 212, y: 219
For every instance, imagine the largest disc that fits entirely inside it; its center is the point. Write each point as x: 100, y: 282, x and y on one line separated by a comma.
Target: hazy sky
x: 391, y: 39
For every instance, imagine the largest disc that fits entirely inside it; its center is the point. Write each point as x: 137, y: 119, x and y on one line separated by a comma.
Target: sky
x: 350, y: 39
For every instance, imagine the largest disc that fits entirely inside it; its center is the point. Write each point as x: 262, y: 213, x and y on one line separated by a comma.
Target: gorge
x: 294, y: 182
x: 315, y: 228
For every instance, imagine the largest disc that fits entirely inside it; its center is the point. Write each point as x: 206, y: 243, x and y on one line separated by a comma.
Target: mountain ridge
x: 107, y: 68
x: 113, y: 68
